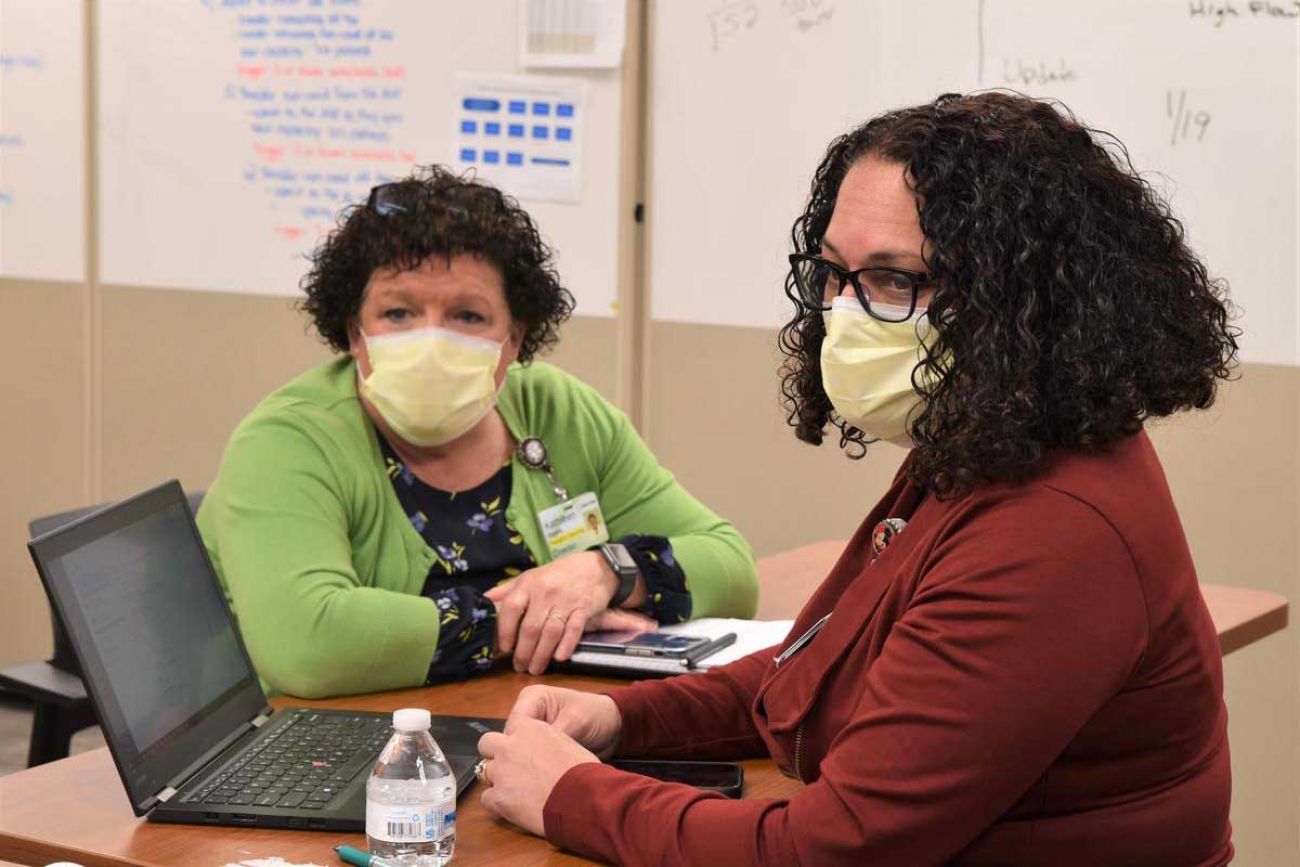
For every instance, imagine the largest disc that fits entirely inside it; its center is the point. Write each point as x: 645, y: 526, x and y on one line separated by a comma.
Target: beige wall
x: 1234, y: 472
x: 180, y: 369
x: 42, y: 442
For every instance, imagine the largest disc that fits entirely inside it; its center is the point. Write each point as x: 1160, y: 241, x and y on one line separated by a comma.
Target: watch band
x: 620, y: 560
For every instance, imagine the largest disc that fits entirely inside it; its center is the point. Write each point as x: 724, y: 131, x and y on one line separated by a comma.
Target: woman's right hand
x: 591, y: 720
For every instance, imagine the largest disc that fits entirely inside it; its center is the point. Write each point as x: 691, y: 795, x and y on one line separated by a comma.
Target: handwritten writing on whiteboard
x: 1021, y: 73
x: 1186, y: 123
x: 730, y: 19
x: 13, y: 62
x: 808, y: 14
x: 16, y: 70
x: 321, y: 91
x: 1219, y: 12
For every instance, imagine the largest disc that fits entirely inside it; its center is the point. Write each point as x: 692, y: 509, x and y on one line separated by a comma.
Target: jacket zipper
x: 790, y: 651
x: 798, y: 753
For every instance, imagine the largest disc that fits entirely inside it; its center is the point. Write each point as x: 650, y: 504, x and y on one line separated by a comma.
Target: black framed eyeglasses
x: 888, y: 294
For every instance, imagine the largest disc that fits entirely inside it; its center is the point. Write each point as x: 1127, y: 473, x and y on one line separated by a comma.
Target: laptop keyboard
x: 302, y: 765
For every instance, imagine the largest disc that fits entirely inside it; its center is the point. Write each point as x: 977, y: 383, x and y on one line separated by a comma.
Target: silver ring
x: 480, y: 772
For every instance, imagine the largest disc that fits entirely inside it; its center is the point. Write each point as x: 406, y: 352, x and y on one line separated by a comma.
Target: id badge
x: 574, y: 525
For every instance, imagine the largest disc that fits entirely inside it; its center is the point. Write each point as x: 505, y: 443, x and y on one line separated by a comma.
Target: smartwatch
x: 618, y: 558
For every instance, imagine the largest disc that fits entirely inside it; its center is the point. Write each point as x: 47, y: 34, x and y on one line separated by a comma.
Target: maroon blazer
x: 1025, y: 675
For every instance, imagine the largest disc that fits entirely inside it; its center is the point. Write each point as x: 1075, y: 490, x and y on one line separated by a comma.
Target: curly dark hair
x: 1068, y: 308
x: 437, y: 213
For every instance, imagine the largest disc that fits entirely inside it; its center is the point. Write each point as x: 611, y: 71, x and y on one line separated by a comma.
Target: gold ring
x: 558, y: 616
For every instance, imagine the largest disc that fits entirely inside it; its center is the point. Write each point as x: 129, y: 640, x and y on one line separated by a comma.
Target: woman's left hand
x: 542, y: 613
x: 523, y: 766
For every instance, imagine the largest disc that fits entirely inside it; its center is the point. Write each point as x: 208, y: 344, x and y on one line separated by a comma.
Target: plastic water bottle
x: 411, y: 797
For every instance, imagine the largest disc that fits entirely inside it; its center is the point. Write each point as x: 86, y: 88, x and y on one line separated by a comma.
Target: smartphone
x: 643, y: 643
x: 724, y: 777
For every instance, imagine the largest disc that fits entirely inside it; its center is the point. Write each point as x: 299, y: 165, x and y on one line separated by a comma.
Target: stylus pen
x: 362, y: 858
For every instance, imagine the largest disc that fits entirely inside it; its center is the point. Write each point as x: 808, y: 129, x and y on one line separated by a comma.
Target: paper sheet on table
x: 572, y: 33
x: 523, y: 133
x: 751, y: 635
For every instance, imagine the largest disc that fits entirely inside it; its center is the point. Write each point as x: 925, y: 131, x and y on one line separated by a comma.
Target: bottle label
x: 410, y: 823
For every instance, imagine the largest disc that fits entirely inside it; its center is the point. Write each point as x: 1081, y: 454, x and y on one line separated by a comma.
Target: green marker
x: 361, y: 858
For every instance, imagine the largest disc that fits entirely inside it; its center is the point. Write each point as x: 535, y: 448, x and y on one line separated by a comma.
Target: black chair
x: 60, y: 705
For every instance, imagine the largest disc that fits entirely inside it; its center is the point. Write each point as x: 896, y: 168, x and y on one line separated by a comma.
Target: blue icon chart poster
x: 522, y: 133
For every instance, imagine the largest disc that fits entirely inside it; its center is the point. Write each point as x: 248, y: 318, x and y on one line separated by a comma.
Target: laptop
x: 182, y: 710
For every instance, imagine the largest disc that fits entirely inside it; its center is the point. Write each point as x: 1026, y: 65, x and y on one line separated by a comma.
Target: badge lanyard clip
x: 532, y: 454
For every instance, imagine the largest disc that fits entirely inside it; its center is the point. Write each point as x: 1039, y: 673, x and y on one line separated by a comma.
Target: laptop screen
x: 159, y: 650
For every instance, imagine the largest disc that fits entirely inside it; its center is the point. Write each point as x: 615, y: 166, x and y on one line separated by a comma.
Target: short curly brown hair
x: 440, y: 214
x: 1068, y: 307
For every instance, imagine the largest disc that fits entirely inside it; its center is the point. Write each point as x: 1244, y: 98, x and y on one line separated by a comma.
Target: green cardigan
x: 324, y: 570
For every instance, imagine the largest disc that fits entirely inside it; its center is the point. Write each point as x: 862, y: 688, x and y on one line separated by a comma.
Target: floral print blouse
x: 476, y: 548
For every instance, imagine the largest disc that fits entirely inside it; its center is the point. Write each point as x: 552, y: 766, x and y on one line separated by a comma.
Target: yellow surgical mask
x: 431, y: 385
x: 867, y: 368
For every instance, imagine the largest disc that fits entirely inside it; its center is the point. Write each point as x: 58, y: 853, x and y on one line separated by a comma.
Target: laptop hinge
x: 217, y: 749
x: 165, y: 795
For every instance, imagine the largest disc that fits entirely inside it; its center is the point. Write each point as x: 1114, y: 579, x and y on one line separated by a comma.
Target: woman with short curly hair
x: 434, y: 497
x: 1011, y: 663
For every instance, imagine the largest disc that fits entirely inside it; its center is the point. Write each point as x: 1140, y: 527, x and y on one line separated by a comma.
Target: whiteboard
x: 746, y: 95
x: 42, y: 140
x: 232, y: 132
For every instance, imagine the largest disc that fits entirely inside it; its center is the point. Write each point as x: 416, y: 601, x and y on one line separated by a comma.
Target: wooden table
x: 76, y: 809
x: 1241, y: 616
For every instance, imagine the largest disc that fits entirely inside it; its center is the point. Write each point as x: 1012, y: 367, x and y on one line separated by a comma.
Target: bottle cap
x: 411, y: 719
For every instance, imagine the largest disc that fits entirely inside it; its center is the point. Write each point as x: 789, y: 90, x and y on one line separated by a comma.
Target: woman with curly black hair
x: 434, y: 497
x: 1012, y: 662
